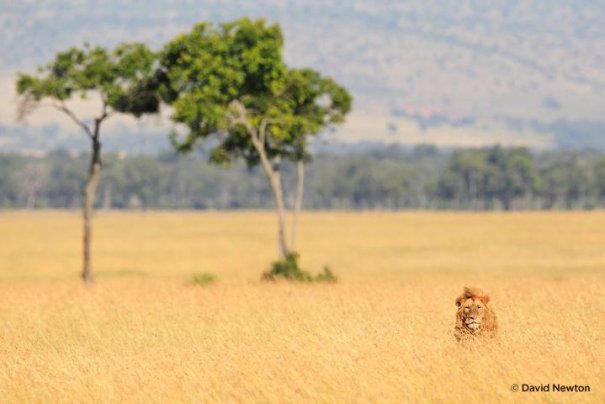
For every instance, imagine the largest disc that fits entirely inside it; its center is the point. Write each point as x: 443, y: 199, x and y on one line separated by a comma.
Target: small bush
x: 326, y: 276
x: 289, y: 269
x: 205, y: 278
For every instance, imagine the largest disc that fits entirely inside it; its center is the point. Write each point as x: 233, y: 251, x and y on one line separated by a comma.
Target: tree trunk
x: 272, y: 171
x: 275, y: 180
x: 300, y: 189
x: 274, y: 176
x: 89, y: 200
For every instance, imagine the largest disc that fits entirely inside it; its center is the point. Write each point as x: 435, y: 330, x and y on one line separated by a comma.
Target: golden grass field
x: 383, y: 333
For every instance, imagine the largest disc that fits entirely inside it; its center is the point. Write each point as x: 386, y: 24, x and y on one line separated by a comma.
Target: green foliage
x: 123, y: 78
x: 565, y: 180
x: 309, y: 104
x: 599, y: 174
x: 489, y: 174
x: 203, y: 279
x: 289, y: 269
x: 326, y: 276
x: 207, y: 68
x: 204, y: 71
x: 386, y: 179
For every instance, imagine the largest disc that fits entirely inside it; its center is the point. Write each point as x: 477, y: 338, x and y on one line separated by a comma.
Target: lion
x: 474, y: 316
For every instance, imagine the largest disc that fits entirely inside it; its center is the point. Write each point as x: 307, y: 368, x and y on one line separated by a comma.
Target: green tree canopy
x: 122, y: 79
x: 216, y: 68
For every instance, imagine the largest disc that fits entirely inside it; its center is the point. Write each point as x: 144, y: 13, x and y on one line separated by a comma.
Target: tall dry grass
x: 143, y: 333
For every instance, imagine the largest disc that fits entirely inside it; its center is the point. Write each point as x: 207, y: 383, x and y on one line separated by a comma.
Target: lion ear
x: 458, y: 301
x: 485, y: 299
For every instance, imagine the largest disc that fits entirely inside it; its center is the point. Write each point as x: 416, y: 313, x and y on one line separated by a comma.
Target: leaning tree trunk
x: 274, y: 176
x: 89, y: 199
x: 300, y: 189
x: 271, y: 169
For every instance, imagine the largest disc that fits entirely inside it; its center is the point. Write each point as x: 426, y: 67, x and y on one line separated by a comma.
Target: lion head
x: 474, y: 315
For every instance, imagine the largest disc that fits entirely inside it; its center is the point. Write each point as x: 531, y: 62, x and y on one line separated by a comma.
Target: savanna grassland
x: 145, y: 333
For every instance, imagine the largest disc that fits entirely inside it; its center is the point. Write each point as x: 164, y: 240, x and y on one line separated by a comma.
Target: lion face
x: 473, y: 311
x: 474, y: 316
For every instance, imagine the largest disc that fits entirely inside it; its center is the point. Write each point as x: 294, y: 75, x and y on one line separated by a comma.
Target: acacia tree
x: 229, y: 83
x: 122, y: 80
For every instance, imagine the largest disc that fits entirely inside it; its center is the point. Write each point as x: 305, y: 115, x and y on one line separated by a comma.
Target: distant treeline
x: 393, y: 178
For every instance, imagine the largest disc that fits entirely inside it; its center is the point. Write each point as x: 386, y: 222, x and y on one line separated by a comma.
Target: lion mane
x: 473, y: 307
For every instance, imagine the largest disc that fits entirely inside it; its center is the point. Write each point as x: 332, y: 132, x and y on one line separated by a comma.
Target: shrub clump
x: 288, y: 268
x: 204, y: 278
x: 326, y: 276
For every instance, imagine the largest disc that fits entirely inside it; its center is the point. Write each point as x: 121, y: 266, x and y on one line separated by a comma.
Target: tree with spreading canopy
x: 122, y: 79
x: 228, y: 84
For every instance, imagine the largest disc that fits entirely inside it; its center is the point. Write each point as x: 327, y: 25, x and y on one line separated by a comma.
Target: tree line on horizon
x: 425, y: 177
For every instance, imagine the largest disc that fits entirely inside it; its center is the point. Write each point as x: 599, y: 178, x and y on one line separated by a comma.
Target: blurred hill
x: 448, y: 72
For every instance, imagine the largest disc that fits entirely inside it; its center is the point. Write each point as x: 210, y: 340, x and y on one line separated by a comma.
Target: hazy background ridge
x: 448, y: 73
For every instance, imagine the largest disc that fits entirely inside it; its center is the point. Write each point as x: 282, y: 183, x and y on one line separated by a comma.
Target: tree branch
x: 104, y: 112
x: 263, y: 129
x: 26, y: 105
x: 240, y: 118
x: 62, y: 107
